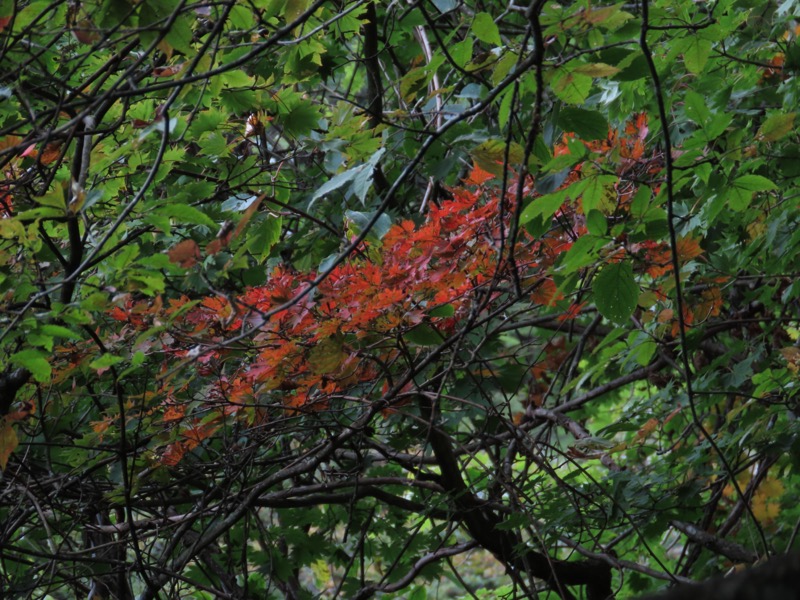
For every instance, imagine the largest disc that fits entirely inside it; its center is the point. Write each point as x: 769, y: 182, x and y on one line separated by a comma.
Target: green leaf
x: 413, y: 83
x: 485, y: 29
x: 741, y: 190
x: 596, y: 223
x: 542, y: 207
x: 294, y: 8
x: 754, y: 183
x: 599, y: 194
x: 615, y: 291
x: 423, y: 335
x: 337, y: 181
x: 504, y: 111
x: 419, y: 593
x: 514, y: 521
x: 185, y: 214
x: 572, y: 88
x: 180, y: 34
x: 445, y: 310
x: 105, y: 362
x: 582, y: 253
x: 8, y: 443
x: 34, y: 361
x: 776, y: 126
x: 641, y: 201
x: 357, y: 221
x: 300, y: 119
x: 264, y: 237
x: 503, y: 66
x: 637, y: 69
x: 461, y: 52
x: 359, y: 177
x: 326, y: 355
x: 695, y: 107
x: 587, y: 124
x: 59, y: 331
x: 37, y: 339
x: 696, y: 54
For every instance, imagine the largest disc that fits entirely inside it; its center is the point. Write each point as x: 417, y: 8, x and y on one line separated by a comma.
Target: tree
x: 306, y: 298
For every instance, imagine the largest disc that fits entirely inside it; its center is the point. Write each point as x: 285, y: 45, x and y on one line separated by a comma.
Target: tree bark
x: 774, y: 580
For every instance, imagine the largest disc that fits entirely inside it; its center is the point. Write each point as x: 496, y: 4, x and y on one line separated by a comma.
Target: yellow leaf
x: 766, y: 500
x: 776, y: 126
x: 792, y: 357
x: 489, y: 155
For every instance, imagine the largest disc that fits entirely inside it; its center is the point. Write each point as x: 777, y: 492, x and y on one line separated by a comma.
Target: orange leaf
x: 478, y: 176
x: 646, y: 430
x: 174, y: 413
x: 546, y: 293
x: 710, y: 304
x: 688, y: 248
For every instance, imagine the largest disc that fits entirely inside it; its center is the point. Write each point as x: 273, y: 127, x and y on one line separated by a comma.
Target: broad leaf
x: 615, y: 291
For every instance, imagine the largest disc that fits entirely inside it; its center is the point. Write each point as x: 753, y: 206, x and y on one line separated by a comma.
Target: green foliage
x: 307, y: 299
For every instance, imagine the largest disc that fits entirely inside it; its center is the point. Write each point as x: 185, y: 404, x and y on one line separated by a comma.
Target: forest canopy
x: 427, y: 299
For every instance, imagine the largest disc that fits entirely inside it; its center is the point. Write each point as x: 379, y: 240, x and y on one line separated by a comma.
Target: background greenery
x: 338, y: 299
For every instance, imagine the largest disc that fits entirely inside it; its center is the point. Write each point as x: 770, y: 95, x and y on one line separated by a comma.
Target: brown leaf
x: 85, y: 32
x: 169, y: 71
x: 51, y: 153
x: 8, y: 443
x: 185, y: 254
x: 248, y: 214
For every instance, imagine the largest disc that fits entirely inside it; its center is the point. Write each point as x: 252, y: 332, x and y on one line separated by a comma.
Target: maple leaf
x: 478, y: 176
x: 572, y: 312
x: 688, y: 248
x: 710, y: 304
x: 546, y: 292
x: 174, y: 412
x: 173, y: 454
